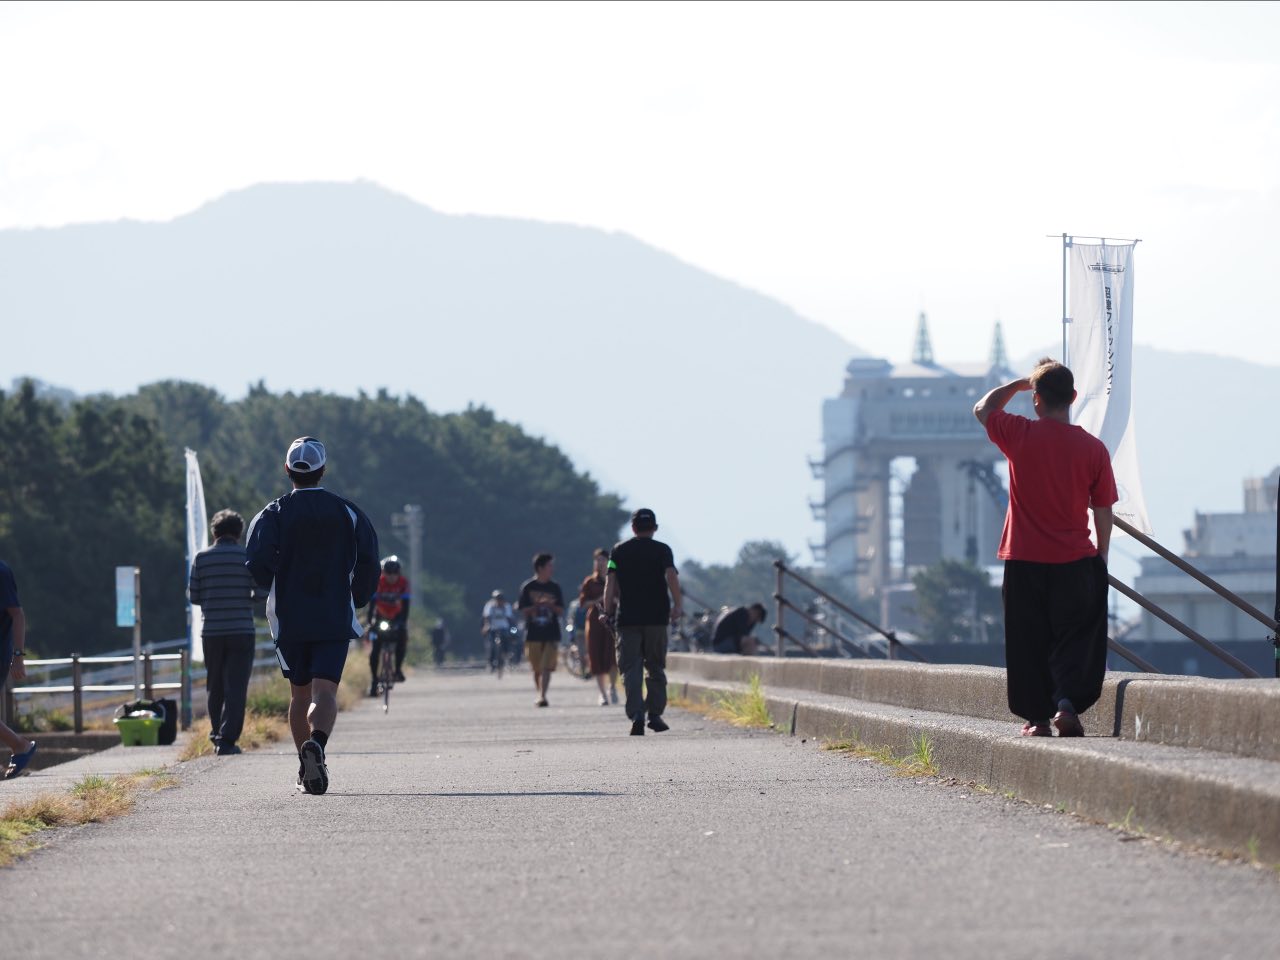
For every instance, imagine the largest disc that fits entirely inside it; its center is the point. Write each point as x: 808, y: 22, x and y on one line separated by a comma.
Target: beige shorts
x: 541, y: 654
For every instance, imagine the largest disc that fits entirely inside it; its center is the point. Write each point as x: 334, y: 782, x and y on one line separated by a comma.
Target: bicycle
x: 386, y: 676
x: 497, y: 651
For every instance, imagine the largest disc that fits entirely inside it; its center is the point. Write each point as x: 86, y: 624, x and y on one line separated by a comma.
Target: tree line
x: 98, y: 482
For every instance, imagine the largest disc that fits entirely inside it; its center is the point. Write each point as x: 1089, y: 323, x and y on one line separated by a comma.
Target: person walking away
x: 495, y: 627
x: 1055, y: 577
x: 439, y: 642
x: 602, y: 657
x: 732, y: 632
x: 390, y: 603
x: 13, y: 643
x: 641, y: 598
x: 318, y: 554
x: 541, y: 604
x: 223, y: 589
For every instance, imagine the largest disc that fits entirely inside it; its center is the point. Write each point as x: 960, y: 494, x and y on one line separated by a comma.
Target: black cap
x: 644, y: 516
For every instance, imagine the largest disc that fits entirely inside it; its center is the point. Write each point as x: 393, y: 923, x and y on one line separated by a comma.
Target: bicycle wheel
x: 387, y: 672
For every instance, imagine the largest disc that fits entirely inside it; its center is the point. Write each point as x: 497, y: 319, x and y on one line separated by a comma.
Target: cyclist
x: 495, y: 627
x: 390, y: 603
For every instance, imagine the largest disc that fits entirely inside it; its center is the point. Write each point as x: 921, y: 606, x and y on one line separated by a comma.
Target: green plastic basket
x: 139, y: 731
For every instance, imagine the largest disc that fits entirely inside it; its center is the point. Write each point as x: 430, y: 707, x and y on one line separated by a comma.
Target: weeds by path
x: 747, y: 709
x: 94, y: 799
x: 920, y: 762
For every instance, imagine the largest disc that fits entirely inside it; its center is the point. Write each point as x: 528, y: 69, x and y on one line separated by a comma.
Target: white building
x: 1236, y: 549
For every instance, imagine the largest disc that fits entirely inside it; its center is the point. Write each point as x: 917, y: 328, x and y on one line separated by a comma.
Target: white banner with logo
x: 1100, y: 355
x: 197, y: 540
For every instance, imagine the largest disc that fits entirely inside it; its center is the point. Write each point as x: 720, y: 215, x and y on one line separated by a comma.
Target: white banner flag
x: 1100, y: 355
x: 197, y: 540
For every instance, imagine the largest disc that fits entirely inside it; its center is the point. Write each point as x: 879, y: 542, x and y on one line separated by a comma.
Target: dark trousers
x: 642, y: 655
x: 229, y: 661
x: 1055, y: 635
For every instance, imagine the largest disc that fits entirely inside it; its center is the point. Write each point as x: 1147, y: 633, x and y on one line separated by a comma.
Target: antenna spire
x: 999, y: 357
x: 923, y: 353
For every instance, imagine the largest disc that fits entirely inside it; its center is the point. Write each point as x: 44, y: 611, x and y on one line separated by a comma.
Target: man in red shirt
x: 1055, y: 578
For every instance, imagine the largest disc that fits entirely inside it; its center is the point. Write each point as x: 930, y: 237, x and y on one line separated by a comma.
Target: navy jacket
x: 319, y: 555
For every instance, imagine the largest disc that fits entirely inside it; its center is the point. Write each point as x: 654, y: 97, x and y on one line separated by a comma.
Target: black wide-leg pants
x: 1055, y: 635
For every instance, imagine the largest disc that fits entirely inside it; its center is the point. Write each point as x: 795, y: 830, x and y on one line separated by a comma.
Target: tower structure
x: 886, y: 416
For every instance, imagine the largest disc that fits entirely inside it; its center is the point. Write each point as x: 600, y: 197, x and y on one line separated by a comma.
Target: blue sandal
x: 18, y: 762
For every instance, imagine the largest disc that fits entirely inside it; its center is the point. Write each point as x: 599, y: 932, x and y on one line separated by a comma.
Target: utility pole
x: 408, y: 525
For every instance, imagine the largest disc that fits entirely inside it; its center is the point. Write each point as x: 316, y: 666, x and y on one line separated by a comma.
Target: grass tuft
x: 94, y: 799
x: 920, y: 762
x: 747, y: 709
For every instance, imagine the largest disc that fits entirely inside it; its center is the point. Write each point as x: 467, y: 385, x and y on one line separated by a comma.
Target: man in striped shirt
x: 223, y: 589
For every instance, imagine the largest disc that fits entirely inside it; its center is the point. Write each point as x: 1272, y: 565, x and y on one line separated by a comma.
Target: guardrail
x: 1226, y: 657
x: 113, y: 673
x: 894, y: 647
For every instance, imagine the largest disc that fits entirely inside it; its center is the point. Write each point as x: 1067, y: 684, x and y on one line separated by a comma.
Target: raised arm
x: 998, y: 398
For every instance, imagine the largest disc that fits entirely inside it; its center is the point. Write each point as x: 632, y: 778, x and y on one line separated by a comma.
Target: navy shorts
x: 303, y: 662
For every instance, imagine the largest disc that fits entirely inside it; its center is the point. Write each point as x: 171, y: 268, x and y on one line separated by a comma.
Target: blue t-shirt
x: 8, y: 598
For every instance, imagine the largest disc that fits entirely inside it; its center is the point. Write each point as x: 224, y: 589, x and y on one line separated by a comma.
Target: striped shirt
x: 223, y: 589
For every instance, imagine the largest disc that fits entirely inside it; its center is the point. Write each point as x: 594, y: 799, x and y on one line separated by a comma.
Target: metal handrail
x: 1191, y: 571
x: 1235, y: 662
x: 1117, y: 647
x: 895, y: 645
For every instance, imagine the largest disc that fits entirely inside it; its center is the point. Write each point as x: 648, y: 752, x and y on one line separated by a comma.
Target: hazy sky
x: 860, y: 162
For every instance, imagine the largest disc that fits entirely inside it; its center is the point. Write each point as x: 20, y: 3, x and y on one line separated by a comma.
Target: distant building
x: 1236, y: 549
x: 909, y: 476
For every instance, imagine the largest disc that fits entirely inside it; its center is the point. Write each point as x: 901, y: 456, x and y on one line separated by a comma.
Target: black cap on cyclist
x: 391, y: 565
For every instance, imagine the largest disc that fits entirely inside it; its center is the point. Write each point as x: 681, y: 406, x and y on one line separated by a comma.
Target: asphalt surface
x: 468, y: 823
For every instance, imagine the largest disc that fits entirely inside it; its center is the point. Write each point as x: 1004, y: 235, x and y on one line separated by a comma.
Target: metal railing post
x: 184, y: 665
x: 148, y: 677
x: 77, y: 694
x: 778, y: 629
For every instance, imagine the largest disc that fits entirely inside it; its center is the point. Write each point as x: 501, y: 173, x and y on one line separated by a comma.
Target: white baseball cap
x: 306, y: 455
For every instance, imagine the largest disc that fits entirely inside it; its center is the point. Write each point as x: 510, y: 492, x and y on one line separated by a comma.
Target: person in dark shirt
x: 733, y: 628
x: 222, y: 587
x: 641, y: 599
x: 439, y: 642
x: 319, y: 555
x: 541, y: 604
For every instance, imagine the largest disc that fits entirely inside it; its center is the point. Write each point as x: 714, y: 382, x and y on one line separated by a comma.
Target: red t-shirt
x: 389, y: 600
x: 1056, y: 472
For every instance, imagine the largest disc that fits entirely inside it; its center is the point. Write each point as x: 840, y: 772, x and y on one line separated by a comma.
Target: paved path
x: 469, y: 824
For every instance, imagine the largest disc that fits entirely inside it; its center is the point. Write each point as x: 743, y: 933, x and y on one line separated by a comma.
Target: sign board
x: 126, y: 597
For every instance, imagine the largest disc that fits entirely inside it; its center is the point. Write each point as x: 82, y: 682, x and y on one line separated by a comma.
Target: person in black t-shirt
x: 542, y: 604
x: 733, y: 628
x: 642, y: 572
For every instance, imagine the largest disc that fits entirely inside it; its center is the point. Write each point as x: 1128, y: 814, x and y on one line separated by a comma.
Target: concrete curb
x: 1228, y: 716
x: 1215, y: 800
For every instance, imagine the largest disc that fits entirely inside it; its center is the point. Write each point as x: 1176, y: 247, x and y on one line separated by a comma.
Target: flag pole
x: 1066, y: 244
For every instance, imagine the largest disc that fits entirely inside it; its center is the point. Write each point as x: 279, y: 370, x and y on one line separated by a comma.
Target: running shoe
x: 604, y: 701
x: 399, y: 677
x: 315, y: 775
x: 613, y: 695
x: 18, y: 762
x: 637, y: 727
x: 658, y: 725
